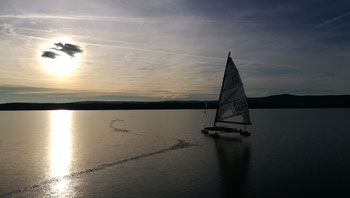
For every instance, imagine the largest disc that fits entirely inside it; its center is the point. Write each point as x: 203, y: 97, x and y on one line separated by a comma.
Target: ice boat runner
x: 232, y: 106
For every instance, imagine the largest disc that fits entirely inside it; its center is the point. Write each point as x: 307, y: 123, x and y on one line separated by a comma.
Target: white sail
x: 233, y: 101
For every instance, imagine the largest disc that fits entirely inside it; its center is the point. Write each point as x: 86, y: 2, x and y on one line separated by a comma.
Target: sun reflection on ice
x: 60, y: 148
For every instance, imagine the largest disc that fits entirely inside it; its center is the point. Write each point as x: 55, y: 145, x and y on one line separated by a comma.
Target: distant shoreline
x: 271, y: 102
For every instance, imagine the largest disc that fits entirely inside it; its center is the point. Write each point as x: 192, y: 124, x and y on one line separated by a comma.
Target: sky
x: 151, y: 50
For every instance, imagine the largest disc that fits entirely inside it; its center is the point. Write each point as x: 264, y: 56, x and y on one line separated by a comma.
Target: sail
x: 233, y: 101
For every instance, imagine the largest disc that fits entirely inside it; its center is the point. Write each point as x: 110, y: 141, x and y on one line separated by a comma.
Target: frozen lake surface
x: 162, y: 153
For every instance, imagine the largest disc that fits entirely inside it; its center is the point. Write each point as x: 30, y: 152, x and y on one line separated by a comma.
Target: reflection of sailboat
x: 233, y: 158
x: 233, y: 105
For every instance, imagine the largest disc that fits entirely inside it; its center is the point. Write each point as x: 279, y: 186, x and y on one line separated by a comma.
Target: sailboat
x: 232, y: 107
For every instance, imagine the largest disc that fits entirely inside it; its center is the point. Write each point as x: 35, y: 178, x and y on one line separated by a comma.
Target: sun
x: 60, y: 56
x: 61, y: 65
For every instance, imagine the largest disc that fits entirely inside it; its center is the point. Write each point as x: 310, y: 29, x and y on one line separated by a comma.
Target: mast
x: 222, y: 87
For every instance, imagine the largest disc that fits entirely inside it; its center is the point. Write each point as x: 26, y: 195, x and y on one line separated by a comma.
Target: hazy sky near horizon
x: 171, y: 49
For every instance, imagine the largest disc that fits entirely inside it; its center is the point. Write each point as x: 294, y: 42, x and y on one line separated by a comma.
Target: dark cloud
x: 49, y: 54
x: 67, y: 48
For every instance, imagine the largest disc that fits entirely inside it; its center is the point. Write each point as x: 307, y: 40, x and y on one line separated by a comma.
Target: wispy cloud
x: 331, y: 20
x: 8, y: 29
x: 109, y: 19
x: 151, y: 20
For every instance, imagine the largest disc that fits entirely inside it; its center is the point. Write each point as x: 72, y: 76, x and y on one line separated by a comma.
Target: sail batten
x: 233, y: 101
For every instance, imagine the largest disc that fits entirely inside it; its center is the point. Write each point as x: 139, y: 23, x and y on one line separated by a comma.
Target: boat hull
x: 224, y: 130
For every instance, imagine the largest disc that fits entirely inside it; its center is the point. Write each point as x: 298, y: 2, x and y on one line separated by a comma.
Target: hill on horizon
x: 268, y: 102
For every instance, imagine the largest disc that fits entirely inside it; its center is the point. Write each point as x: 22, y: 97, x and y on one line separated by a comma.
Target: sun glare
x: 60, y: 147
x: 59, y: 61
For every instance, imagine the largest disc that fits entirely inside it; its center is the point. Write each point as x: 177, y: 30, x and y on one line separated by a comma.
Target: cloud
x: 41, y: 94
x: 49, y: 54
x: 180, y: 47
x: 161, y: 91
x: 8, y: 29
x: 67, y: 48
x: 334, y: 19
